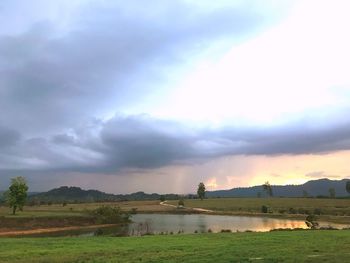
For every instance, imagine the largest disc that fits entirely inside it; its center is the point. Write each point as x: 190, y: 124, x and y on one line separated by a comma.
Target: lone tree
x: 17, y: 194
x: 268, y: 188
x: 305, y: 194
x: 201, y: 191
x: 331, y: 192
x: 348, y: 187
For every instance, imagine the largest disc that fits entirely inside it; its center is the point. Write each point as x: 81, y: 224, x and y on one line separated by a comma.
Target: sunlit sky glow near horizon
x: 111, y: 96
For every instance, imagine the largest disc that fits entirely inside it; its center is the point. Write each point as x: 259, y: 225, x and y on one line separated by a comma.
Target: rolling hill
x: 76, y: 194
x: 314, y: 188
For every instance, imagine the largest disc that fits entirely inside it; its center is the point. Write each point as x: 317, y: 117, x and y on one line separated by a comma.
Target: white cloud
x: 298, y: 67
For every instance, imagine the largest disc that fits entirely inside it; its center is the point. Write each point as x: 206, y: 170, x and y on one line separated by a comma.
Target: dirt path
x: 49, y: 230
x: 191, y: 208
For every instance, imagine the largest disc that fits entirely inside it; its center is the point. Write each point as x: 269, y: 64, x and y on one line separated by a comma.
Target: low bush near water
x: 110, y: 215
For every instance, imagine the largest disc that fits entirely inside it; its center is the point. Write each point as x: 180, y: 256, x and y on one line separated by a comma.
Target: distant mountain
x: 76, y: 194
x: 313, y: 188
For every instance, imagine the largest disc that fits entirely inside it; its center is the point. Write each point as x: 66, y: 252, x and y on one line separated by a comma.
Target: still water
x: 190, y: 223
x: 158, y: 223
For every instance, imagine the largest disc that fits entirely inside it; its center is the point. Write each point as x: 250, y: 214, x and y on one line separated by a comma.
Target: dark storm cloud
x: 145, y: 143
x: 141, y: 142
x: 303, y: 137
x: 109, y: 57
x: 8, y: 137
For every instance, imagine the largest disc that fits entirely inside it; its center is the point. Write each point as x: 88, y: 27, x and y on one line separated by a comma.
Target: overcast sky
x: 124, y: 96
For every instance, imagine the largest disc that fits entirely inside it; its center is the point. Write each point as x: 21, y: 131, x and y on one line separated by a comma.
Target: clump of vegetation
x: 226, y: 230
x: 311, y: 221
x: 317, y: 211
x: 98, y: 232
x: 181, y: 202
x: 292, y: 211
x: 110, y: 215
x: 303, y: 211
x: 133, y: 211
x: 264, y: 209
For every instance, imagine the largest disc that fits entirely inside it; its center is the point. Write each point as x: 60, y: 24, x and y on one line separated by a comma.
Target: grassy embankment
x: 279, y: 246
x: 333, y: 210
x: 57, y: 210
x: 53, y: 216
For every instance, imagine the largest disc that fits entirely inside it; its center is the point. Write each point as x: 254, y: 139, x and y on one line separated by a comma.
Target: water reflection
x: 172, y: 224
x: 201, y: 223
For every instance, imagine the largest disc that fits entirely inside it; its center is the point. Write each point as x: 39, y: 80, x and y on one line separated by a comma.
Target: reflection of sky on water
x: 201, y: 223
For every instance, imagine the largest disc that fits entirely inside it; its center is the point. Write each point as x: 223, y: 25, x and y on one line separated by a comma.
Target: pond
x: 191, y: 223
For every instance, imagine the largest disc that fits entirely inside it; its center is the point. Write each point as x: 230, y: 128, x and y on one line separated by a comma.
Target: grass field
x: 57, y: 210
x: 279, y: 246
x: 331, y: 209
x: 55, y: 216
x: 335, y: 207
x: 327, y: 206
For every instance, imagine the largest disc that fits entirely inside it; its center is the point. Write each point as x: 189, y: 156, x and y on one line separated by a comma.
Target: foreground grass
x: 284, y: 246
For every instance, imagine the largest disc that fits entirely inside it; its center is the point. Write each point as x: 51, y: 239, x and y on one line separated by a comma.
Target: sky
x: 121, y: 96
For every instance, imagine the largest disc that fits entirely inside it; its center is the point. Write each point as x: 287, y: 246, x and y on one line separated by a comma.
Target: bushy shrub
x: 303, y: 211
x: 133, y: 211
x: 292, y: 211
x: 98, y: 232
x: 109, y: 215
x: 311, y: 222
x: 317, y: 211
x: 264, y: 209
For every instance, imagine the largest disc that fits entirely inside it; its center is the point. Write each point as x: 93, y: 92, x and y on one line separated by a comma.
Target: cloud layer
x: 71, y: 75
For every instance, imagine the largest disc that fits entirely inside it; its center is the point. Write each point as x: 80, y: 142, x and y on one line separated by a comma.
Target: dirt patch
x: 49, y: 230
x: 32, y: 223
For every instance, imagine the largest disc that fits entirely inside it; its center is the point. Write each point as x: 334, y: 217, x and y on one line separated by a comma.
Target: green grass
x: 339, y: 207
x: 57, y: 210
x: 283, y: 246
x: 335, y: 207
